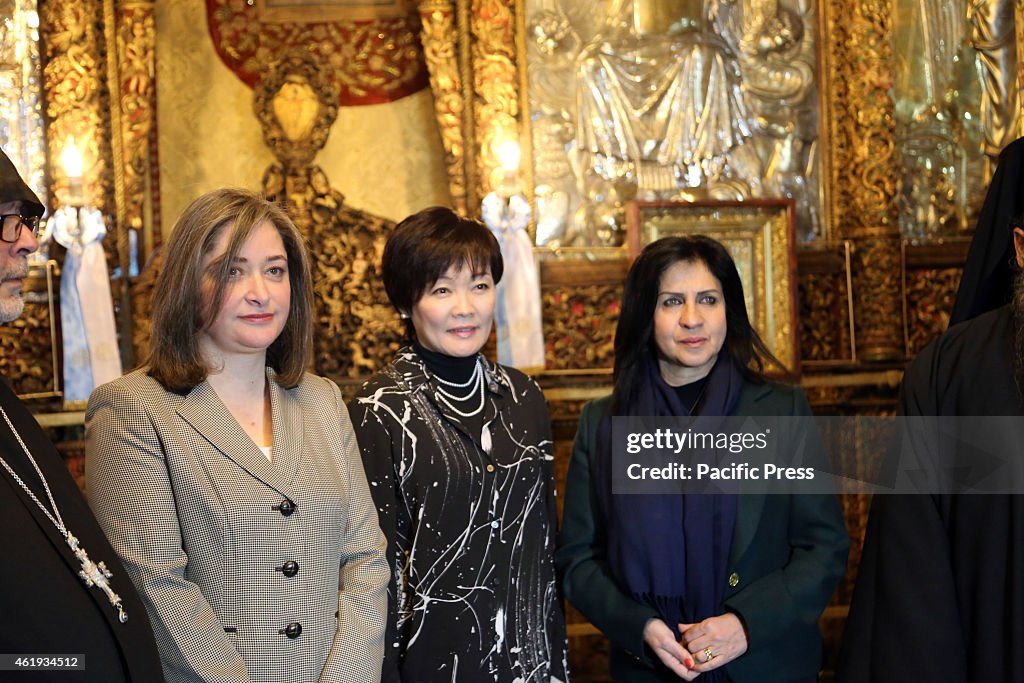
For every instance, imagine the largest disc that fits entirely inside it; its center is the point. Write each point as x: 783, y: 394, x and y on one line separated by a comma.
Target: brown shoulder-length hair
x: 181, y: 311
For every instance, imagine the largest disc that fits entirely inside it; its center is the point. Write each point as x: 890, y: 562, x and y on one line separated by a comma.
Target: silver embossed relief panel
x: 670, y: 100
x: 957, y: 104
x: 21, y: 116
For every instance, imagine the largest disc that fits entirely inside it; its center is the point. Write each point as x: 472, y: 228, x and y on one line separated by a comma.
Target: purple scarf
x: 672, y: 551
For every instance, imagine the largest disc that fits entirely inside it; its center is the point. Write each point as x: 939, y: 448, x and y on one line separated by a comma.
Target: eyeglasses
x: 11, y: 225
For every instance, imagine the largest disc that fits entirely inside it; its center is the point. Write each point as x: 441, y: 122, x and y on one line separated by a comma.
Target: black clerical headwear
x: 14, y: 189
x: 987, y: 281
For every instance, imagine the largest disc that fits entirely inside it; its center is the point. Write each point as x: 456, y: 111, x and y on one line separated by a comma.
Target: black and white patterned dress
x: 470, y: 533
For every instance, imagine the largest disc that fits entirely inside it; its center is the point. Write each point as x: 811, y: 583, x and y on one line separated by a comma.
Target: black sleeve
x: 375, y: 447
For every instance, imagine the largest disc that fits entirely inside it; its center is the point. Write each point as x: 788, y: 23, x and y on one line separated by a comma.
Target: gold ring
x: 708, y: 654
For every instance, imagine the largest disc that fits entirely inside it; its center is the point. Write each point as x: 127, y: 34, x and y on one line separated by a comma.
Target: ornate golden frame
x: 297, y: 66
x: 759, y: 235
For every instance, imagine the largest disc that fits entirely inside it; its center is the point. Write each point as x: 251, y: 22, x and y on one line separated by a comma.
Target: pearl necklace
x: 92, y: 573
x: 475, y: 381
x: 473, y: 377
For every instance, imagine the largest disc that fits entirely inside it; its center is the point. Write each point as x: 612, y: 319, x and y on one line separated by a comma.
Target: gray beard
x: 10, y: 308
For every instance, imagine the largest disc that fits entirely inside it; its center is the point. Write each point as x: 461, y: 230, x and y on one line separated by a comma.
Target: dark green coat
x: 788, y: 554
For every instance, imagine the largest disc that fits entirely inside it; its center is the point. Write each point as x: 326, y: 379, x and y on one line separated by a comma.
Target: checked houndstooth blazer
x: 250, y: 571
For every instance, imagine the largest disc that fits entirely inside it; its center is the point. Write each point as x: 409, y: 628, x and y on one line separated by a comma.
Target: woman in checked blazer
x: 227, y: 479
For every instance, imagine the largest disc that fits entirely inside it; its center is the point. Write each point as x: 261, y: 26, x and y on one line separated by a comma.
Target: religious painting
x: 759, y: 236
x: 315, y: 11
x: 670, y: 100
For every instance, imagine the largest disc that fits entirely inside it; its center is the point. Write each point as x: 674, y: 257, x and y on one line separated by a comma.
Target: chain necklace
x: 92, y: 573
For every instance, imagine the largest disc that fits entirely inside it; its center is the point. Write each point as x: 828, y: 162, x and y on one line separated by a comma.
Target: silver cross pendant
x: 94, y: 574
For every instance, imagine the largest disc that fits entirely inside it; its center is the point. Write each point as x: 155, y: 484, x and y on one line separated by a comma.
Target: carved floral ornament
x: 372, y: 60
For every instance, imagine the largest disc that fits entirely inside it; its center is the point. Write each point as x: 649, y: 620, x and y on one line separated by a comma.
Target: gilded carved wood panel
x: 826, y: 305
x: 30, y: 361
x: 135, y: 40
x: 439, y: 37
x: 495, y: 83
x: 929, y: 297
x: 77, y: 104
x: 579, y: 325
x: 860, y: 64
x: 580, y: 308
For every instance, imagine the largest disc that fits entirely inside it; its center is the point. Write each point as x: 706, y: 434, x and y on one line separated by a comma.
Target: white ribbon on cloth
x: 91, y: 355
x: 517, y: 313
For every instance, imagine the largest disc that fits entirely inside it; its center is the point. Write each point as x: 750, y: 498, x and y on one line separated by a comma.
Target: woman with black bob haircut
x: 458, y: 453
x: 727, y: 587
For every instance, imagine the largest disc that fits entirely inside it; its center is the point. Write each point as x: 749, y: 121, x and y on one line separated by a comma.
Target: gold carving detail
x: 358, y: 332
x: 826, y: 304
x: 142, y: 305
x: 440, y: 49
x: 495, y: 84
x: 296, y: 104
x: 877, y: 305
x: 579, y: 325
x: 822, y: 311
x: 30, y: 352
x: 136, y: 52
x: 1019, y: 27
x: 861, y: 67
x: 73, y: 77
x: 929, y: 299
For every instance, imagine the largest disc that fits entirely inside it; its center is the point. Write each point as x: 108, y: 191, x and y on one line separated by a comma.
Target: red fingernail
x: 689, y: 663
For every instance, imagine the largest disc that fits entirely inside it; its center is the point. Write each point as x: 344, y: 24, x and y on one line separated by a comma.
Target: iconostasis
x: 841, y: 149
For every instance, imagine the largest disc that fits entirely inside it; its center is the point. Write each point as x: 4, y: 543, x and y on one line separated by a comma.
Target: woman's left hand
x: 722, y: 637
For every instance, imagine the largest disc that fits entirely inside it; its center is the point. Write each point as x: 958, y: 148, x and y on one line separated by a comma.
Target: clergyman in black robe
x: 52, y: 616
x: 940, y: 588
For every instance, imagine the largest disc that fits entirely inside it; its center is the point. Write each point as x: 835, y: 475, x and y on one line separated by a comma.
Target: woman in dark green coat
x: 727, y: 587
